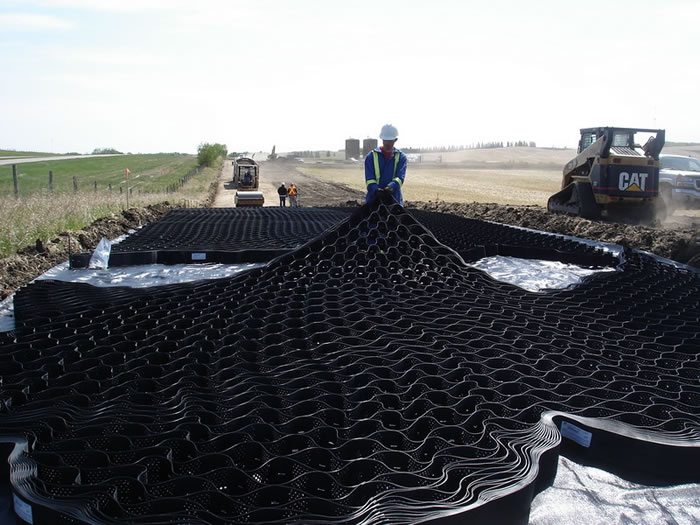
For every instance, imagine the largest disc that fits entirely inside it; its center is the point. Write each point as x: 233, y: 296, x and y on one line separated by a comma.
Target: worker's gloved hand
x: 382, y: 192
x: 371, y: 193
x: 392, y: 187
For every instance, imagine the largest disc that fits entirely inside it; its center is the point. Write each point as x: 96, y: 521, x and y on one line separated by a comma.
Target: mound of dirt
x: 680, y: 242
x: 32, y: 261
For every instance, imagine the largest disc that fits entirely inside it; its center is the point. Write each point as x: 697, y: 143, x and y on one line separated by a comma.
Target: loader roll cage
x: 622, y: 138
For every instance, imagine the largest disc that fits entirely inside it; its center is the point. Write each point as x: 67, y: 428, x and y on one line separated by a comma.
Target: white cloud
x: 104, y: 57
x: 110, y: 5
x: 134, y: 5
x: 31, y: 21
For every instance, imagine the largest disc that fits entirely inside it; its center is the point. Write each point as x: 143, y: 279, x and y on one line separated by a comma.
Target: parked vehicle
x: 679, y: 180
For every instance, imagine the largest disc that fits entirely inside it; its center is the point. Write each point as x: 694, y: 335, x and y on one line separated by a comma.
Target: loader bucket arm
x: 654, y: 145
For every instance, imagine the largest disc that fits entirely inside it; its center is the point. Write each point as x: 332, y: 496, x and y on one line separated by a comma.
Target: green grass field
x: 13, y: 153
x: 38, y: 214
x: 149, y: 173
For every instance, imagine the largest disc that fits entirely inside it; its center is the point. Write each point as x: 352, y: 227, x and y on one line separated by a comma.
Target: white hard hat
x: 389, y: 132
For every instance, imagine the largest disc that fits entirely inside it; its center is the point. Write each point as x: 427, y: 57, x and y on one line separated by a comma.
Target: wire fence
x: 79, y: 184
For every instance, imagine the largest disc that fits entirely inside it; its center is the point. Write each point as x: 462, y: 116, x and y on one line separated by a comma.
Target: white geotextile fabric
x: 534, y: 275
x: 590, y: 496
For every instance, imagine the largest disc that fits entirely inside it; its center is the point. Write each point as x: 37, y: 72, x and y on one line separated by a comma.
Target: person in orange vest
x: 292, y: 193
x: 385, y: 166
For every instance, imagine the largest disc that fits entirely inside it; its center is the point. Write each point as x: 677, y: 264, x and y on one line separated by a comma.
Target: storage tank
x: 368, y: 145
x: 352, y: 149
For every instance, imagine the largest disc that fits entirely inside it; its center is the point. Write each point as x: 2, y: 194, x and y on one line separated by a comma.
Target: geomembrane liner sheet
x: 368, y: 377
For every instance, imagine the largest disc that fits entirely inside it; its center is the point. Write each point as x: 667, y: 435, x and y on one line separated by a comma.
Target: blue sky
x: 157, y: 75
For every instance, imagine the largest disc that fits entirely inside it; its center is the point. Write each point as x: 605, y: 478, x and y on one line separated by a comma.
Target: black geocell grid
x: 235, y: 235
x: 234, y: 228
x: 464, y: 235
x: 225, y: 235
x: 367, y: 377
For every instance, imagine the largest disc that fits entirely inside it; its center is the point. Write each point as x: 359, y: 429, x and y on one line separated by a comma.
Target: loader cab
x: 620, y: 138
x: 623, y: 139
x: 587, y: 138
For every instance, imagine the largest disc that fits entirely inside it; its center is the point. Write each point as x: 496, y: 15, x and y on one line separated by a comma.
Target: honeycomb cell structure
x: 366, y: 376
x: 223, y: 235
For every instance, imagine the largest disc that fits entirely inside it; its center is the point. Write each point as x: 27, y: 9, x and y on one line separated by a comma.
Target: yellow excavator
x: 612, y: 175
x: 246, y: 179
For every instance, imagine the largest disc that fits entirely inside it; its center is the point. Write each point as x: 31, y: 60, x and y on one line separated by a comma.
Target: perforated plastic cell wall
x: 222, y: 235
x: 464, y: 235
x: 230, y: 235
x: 368, y: 377
x: 234, y: 228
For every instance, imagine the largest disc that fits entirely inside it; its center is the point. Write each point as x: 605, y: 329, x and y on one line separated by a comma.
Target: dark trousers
x: 283, y: 201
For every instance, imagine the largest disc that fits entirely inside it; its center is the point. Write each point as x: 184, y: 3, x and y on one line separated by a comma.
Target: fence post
x: 50, y: 180
x: 14, y: 180
x: 75, y: 184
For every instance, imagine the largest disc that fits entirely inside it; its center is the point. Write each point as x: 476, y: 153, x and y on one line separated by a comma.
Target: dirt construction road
x: 312, y: 191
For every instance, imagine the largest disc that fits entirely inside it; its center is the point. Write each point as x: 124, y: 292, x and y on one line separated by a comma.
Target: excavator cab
x: 612, y: 174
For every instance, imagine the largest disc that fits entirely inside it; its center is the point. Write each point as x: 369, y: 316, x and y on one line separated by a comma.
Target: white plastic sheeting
x: 534, y: 275
x: 147, y: 275
x: 100, y: 257
x: 590, y: 496
x: 7, y: 315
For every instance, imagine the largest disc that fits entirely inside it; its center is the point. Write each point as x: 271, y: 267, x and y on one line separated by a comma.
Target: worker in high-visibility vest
x: 292, y: 193
x: 385, y: 166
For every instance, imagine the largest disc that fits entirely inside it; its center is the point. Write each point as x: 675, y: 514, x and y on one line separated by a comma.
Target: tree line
x: 475, y: 145
x: 106, y: 151
x: 309, y: 154
x: 208, y: 153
